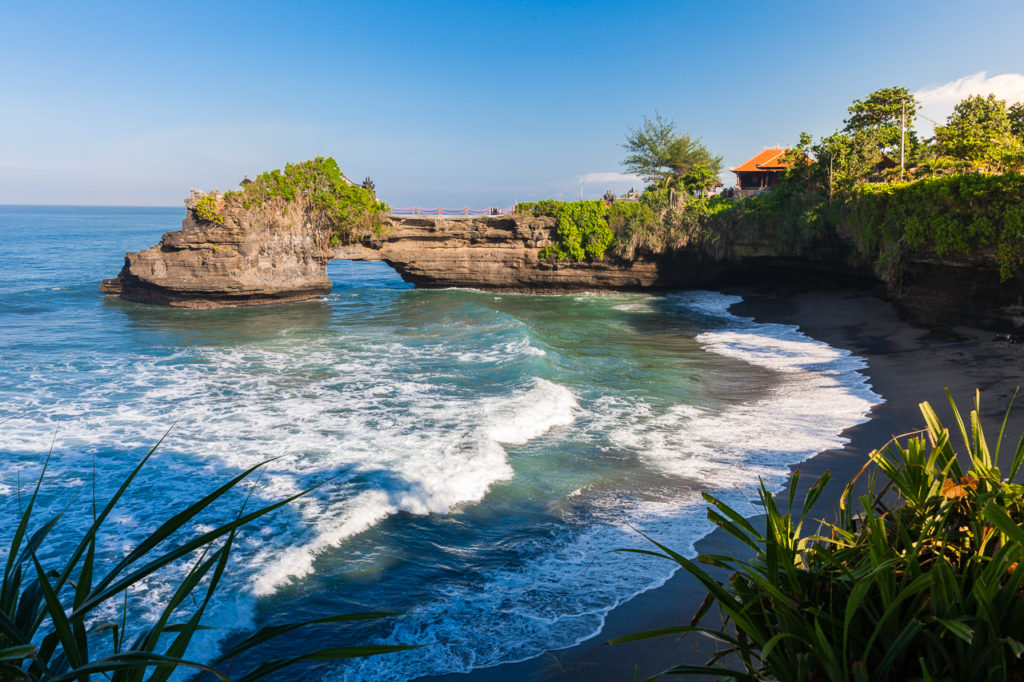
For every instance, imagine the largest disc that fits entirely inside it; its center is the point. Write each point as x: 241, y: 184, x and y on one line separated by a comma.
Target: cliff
x: 274, y: 254
x: 498, y: 253
x: 270, y: 255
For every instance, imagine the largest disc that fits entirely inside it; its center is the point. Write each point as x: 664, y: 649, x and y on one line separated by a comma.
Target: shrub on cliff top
x: 333, y: 205
x: 206, y: 209
x: 923, y: 580
x: 587, y: 229
x: 582, y: 228
x: 957, y: 215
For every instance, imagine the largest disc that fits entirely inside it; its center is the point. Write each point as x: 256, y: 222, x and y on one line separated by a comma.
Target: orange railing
x: 441, y: 211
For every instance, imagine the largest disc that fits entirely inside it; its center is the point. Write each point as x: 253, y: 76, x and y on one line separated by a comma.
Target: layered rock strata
x: 254, y: 257
x: 495, y: 253
x: 274, y: 254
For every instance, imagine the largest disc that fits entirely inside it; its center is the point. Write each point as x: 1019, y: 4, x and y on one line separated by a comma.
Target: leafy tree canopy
x: 977, y: 133
x: 882, y: 112
x: 664, y: 157
x: 845, y: 157
x: 1016, y: 113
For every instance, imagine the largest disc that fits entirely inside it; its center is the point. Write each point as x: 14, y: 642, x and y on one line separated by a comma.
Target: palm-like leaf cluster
x: 54, y: 620
x: 920, y: 578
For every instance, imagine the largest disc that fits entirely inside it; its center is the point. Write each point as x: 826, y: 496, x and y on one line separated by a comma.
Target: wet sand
x: 906, y: 365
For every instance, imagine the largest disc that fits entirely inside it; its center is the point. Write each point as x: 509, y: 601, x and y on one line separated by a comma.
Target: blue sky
x: 458, y: 103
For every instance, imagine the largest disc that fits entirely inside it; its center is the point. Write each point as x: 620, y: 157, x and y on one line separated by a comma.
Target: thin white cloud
x: 594, y: 185
x: 610, y: 177
x: 937, y: 103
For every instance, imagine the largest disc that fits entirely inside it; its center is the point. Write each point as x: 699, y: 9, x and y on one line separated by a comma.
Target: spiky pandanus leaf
x: 921, y: 577
x: 48, y: 618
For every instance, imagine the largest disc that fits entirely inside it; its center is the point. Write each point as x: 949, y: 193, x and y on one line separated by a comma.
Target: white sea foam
x: 393, y: 439
x: 561, y: 596
x: 386, y: 419
x: 641, y: 306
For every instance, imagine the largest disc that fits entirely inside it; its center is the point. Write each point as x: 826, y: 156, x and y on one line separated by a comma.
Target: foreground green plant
x: 54, y: 616
x: 921, y: 579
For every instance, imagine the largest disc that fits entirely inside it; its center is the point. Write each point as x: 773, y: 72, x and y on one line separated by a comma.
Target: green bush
x: 55, y: 621
x: 544, y: 207
x: 206, y: 210
x: 918, y: 579
x: 582, y: 228
x: 333, y: 205
x: 588, y: 229
x: 954, y: 215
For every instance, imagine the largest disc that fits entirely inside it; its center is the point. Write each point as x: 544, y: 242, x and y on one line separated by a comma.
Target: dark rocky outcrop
x: 499, y: 253
x: 254, y: 257
x: 274, y: 255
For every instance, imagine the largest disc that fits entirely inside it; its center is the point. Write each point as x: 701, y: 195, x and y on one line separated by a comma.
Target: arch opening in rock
x: 352, y: 275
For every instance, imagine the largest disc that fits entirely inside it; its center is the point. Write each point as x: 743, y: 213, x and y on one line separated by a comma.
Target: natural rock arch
x: 273, y: 255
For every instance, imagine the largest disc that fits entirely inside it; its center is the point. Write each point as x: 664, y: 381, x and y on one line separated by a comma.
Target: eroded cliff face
x: 269, y: 255
x: 495, y: 253
x: 947, y: 291
x: 274, y: 254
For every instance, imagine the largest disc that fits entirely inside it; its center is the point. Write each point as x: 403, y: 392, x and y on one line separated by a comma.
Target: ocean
x: 480, y: 452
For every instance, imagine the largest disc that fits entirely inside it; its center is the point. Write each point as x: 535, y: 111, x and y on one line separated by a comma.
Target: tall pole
x: 903, y: 134
x: 581, y: 191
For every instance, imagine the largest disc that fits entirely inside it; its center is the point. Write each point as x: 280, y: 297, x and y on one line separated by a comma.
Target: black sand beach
x: 906, y: 365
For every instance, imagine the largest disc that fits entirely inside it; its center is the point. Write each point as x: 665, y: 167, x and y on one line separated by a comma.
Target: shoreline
x: 906, y: 365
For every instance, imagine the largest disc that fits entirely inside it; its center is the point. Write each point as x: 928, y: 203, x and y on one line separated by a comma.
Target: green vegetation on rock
x: 968, y: 215
x: 670, y: 213
x: 587, y: 229
x: 960, y: 195
x: 206, y: 210
x: 582, y: 228
x: 333, y: 205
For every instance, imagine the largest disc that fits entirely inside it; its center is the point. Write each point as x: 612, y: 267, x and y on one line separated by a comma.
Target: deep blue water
x: 481, y: 451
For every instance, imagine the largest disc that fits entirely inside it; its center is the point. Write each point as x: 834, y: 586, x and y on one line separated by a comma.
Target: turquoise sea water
x: 483, y: 450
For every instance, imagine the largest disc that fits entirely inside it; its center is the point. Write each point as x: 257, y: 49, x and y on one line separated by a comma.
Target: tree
x: 882, y: 112
x: 699, y: 180
x: 664, y: 157
x: 798, y: 158
x: 1016, y: 113
x: 977, y: 134
x: 844, y: 158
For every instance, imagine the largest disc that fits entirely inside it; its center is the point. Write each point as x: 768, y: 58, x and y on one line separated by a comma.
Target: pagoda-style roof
x: 769, y: 159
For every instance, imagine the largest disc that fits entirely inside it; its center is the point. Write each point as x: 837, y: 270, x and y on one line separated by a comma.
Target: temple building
x: 762, y: 172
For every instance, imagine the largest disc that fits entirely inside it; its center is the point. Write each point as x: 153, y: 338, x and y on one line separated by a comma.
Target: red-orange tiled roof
x: 767, y: 159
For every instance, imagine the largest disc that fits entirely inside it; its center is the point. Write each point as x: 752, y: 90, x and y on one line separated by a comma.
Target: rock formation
x: 498, y: 253
x: 254, y: 257
x: 274, y: 254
